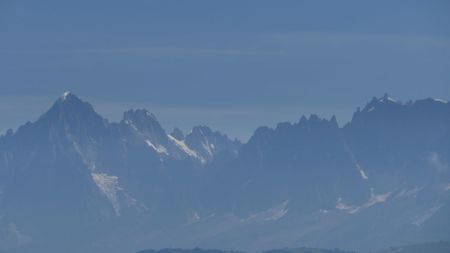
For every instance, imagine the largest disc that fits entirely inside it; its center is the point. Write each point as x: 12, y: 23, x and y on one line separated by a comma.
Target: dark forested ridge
x: 307, y: 250
x: 198, y: 250
x: 432, y: 247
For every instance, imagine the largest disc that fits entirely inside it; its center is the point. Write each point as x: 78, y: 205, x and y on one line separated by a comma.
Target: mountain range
x: 74, y: 182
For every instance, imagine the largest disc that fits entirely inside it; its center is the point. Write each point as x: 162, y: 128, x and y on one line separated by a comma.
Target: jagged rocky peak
x: 208, y: 143
x: 263, y: 131
x: 334, y: 120
x: 201, y: 131
x: 70, y: 99
x: 9, y: 133
x: 312, y: 122
x: 139, y: 115
x: 207, y: 134
x: 69, y: 104
x: 72, y: 115
x: 387, y: 99
x: 383, y: 102
x: 261, y: 136
x: 378, y: 107
x: 144, y: 121
x: 316, y: 120
x: 387, y: 107
x: 149, y: 132
x: 431, y: 103
x: 312, y: 129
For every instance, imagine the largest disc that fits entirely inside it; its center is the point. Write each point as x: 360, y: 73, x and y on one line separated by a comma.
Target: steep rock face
x: 386, y: 170
x: 210, y: 144
x: 304, y: 183
x: 49, y: 165
x: 307, y: 163
x: 146, y: 127
x: 399, y: 143
x: 74, y: 169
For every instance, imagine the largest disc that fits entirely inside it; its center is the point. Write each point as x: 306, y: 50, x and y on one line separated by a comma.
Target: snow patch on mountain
x: 109, y: 186
x: 362, y: 173
x: 182, y: 145
x: 440, y: 100
x: 159, y: 149
x: 131, y: 124
x: 387, y: 98
x: 208, y: 147
x: 65, y: 95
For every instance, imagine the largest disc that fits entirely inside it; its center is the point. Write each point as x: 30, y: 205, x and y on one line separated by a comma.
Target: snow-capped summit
x: 69, y: 105
x: 73, y: 117
x: 69, y: 97
x: 65, y: 95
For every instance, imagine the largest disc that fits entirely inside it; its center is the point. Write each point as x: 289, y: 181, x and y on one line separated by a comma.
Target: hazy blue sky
x: 233, y: 65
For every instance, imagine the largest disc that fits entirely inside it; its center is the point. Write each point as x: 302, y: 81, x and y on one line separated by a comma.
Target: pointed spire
x: 333, y: 120
x: 314, y: 118
x: 201, y: 131
x: 70, y: 115
x: 303, y: 120
x: 145, y: 122
x: 138, y: 114
x: 69, y: 104
x: 69, y: 96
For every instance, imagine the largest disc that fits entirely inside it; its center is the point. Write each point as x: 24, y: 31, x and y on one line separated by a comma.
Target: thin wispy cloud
x: 344, y: 38
x: 153, y: 50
